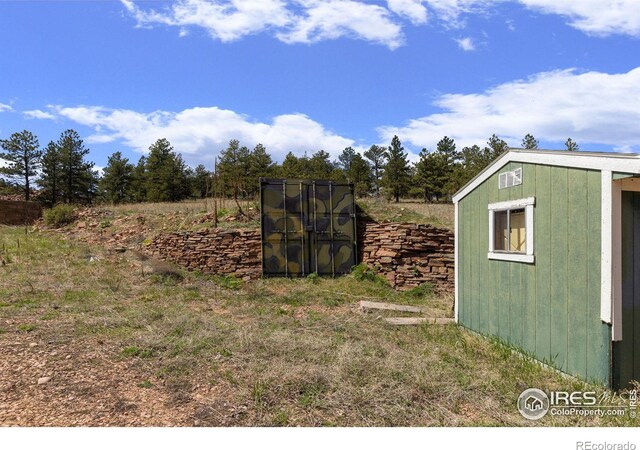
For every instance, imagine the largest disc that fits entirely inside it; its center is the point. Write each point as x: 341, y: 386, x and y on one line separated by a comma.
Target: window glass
x: 517, y: 235
x: 500, y: 227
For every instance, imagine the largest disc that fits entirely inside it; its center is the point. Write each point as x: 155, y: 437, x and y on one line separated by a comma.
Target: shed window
x: 511, y: 230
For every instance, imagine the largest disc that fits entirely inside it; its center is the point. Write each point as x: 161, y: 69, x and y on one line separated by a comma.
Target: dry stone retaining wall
x: 409, y: 254
x: 217, y: 252
x: 406, y: 254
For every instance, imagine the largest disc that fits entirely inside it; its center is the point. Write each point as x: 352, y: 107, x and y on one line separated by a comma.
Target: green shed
x: 547, y: 258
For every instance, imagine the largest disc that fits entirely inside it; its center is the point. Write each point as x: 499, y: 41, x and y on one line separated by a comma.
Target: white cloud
x: 310, y: 21
x: 332, y: 19
x: 450, y: 11
x: 591, y: 107
x: 300, y: 21
x: 227, y: 21
x: 599, y: 17
x: 4, y: 107
x: 466, y: 44
x: 200, y: 133
x: 38, y: 114
x: 414, y: 10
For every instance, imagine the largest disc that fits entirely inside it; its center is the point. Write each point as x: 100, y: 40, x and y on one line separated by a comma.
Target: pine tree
x: 291, y: 167
x: 233, y: 168
x: 426, y: 174
x: 529, y: 142
x: 22, y: 152
x: 571, y: 145
x: 260, y: 165
x: 116, y: 182
x: 139, y: 181
x: 66, y: 176
x: 397, y: 173
x: 359, y: 174
x: 165, y: 174
x: 200, y: 181
x: 321, y: 167
x: 376, y: 155
x: 496, y: 147
x: 447, y: 157
x: 50, y: 177
x: 346, y: 157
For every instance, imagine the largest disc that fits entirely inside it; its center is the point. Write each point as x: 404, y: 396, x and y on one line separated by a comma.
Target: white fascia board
x: 456, y: 263
x: 616, y: 260
x: 511, y: 204
x: 562, y: 159
x: 606, y: 246
x: 515, y: 257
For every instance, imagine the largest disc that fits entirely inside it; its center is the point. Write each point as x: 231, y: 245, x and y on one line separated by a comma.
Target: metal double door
x: 307, y: 227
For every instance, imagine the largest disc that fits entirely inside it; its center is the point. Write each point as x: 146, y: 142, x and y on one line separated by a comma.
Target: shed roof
x: 615, y: 162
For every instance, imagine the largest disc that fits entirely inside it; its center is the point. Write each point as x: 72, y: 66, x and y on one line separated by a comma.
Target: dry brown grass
x: 379, y: 209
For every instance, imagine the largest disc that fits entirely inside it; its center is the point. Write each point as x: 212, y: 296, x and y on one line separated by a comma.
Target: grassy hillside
x: 124, y: 343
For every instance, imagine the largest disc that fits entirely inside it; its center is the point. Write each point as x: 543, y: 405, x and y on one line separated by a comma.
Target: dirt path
x: 89, y: 385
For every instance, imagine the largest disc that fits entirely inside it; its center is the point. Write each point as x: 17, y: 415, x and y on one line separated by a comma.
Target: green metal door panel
x: 577, y: 271
x: 307, y: 226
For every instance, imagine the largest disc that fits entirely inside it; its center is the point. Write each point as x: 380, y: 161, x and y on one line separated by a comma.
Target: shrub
x: 59, y: 216
x: 424, y: 290
x: 228, y: 282
x: 313, y: 278
x: 362, y: 272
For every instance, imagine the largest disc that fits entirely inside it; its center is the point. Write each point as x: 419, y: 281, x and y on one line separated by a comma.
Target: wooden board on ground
x: 391, y: 307
x: 418, y: 320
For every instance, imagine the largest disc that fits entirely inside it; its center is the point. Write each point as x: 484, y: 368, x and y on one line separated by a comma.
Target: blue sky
x: 305, y: 75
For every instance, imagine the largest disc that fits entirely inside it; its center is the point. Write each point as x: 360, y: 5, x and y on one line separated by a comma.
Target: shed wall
x: 551, y: 308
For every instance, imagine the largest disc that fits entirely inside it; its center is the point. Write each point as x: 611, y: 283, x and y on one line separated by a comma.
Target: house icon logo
x: 533, y: 404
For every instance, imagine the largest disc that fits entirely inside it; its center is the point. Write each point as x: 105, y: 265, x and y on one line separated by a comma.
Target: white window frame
x: 524, y: 203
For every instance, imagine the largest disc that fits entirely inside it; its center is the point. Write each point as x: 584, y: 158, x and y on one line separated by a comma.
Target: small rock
x: 33, y: 344
x: 44, y: 380
x: 54, y: 353
x: 68, y: 357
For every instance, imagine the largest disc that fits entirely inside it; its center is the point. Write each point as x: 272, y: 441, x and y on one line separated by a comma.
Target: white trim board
x: 606, y: 246
x: 512, y: 204
x: 579, y: 160
x: 456, y: 264
x: 514, y: 257
x: 526, y: 203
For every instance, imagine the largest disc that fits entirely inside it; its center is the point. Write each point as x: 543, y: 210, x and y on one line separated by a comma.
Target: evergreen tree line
x: 65, y: 176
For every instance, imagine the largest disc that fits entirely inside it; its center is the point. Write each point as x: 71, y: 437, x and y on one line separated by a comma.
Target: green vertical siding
x: 550, y: 308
